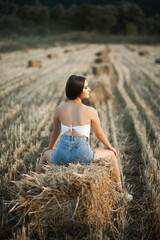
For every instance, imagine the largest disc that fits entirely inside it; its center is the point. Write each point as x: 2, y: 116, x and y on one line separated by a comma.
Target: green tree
x: 108, y: 9
x: 8, y: 8
x: 131, y: 29
x: 10, y: 23
x: 71, y: 12
x: 38, y: 14
x: 105, y: 23
x: 85, y: 17
x: 129, y: 13
x: 151, y: 26
x: 57, y: 12
x: 106, y: 18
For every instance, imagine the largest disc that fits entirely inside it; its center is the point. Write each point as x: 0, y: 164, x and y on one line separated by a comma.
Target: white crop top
x: 84, y: 129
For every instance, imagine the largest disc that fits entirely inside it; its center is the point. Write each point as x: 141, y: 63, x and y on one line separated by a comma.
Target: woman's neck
x: 77, y: 100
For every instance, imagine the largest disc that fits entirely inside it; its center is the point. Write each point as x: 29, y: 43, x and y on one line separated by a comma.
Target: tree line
x: 122, y: 18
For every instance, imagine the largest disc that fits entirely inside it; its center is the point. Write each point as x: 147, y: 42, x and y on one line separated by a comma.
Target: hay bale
x: 100, y: 93
x: 143, y: 53
x: 51, y: 56
x: 25, y: 51
x: 82, y: 47
x: 102, y: 69
x: 157, y: 60
x: 102, y: 60
x: 68, y: 51
x: 57, y: 44
x: 104, y: 53
x: 131, y: 48
x: 69, y: 200
x: 35, y: 63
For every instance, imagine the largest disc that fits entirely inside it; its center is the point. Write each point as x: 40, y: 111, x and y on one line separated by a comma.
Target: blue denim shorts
x: 73, y: 149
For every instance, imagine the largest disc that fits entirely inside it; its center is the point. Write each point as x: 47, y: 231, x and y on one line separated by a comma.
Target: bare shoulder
x: 60, y: 107
x: 91, y: 110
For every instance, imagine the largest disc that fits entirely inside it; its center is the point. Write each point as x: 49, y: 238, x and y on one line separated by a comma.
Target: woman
x: 74, y: 119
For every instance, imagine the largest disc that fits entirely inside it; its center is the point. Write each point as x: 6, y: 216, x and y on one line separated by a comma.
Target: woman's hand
x: 119, y: 187
x: 115, y: 152
x: 44, y: 151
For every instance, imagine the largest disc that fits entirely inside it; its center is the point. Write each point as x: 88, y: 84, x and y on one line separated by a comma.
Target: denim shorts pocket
x: 83, y: 154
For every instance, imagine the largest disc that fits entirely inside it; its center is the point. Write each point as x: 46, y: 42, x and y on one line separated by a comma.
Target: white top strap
x: 70, y: 127
x: 84, y: 129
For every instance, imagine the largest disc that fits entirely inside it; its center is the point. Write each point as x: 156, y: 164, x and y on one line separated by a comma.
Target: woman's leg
x: 46, y: 159
x: 108, y: 154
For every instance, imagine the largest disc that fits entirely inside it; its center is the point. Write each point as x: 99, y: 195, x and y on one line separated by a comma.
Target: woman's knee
x: 47, y: 156
x: 103, y: 154
x: 111, y: 156
x: 111, y: 153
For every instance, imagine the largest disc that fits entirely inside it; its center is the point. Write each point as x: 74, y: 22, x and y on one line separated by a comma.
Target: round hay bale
x: 57, y: 44
x: 102, y: 69
x: 102, y: 60
x: 157, y: 60
x: 53, y: 55
x: 25, y: 51
x: 131, y: 48
x: 82, y: 47
x: 100, y: 93
x: 35, y: 63
x: 143, y: 53
x: 68, y: 51
x: 104, y: 53
x: 69, y: 200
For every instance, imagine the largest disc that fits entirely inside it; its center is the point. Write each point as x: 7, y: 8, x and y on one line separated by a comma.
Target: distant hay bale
x: 102, y: 69
x: 102, y: 60
x: 69, y: 200
x: 157, y: 60
x: 25, y: 51
x: 131, y: 48
x: 68, y: 51
x: 104, y: 53
x: 143, y: 53
x: 98, y: 54
x: 35, y: 63
x: 100, y: 93
x: 51, y: 56
x: 57, y: 44
x: 81, y: 47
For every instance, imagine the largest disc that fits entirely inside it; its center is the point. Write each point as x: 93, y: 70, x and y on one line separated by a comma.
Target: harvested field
x: 126, y: 95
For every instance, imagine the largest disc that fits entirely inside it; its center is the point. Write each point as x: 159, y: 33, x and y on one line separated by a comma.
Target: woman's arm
x: 55, y: 132
x: 98, y: 130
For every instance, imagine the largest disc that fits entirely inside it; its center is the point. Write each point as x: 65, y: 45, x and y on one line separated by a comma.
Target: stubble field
x: 125, y: 83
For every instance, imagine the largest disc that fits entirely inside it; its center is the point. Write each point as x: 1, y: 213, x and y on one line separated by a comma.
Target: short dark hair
x: 74, y: 86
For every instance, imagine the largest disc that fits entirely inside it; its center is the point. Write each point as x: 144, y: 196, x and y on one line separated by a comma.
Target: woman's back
x: 75, y: 114
x: 74, y: 118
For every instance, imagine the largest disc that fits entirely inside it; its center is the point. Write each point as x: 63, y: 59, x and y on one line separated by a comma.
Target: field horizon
x: 17, y: 42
